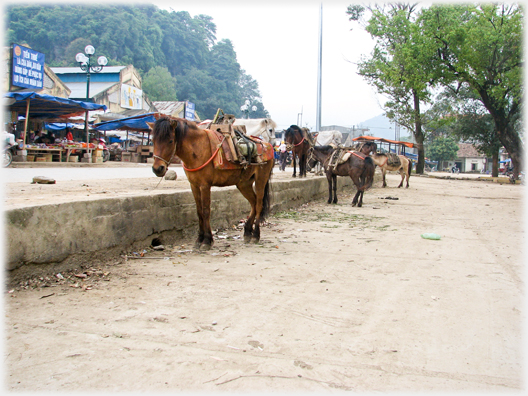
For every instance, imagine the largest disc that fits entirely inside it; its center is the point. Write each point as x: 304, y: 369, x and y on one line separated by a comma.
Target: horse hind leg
x: 247, y: 191
x: 402, y: 174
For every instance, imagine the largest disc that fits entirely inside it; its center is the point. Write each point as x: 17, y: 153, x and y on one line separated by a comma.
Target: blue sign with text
x: 28, y: 68
x: 189, y: 111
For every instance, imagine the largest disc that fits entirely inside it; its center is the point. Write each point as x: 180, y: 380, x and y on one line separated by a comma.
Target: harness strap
x: 208, y: 161
x: 358, y: 155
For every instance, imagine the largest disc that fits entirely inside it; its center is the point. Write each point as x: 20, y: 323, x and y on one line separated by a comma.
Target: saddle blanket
x: 393, y: 159
x: 344, y: 155
x: 224, y: 159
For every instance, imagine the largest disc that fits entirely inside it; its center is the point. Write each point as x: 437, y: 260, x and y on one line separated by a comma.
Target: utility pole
x: 319, y: 67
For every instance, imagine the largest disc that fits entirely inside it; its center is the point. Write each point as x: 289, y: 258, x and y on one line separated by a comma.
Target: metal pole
x: 319, y: 67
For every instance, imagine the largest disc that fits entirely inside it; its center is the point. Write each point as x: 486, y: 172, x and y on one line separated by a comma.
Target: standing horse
x: 259, y: 127
x: 299, y: 145
x: 177, y: 136
x: 404, y: 167
x: 359, y: 167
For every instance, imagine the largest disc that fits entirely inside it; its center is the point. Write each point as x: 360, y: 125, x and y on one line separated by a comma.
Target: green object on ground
x: 430, y: 235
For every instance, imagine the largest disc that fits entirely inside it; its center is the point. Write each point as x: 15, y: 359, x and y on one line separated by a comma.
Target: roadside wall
x: 52, y: 233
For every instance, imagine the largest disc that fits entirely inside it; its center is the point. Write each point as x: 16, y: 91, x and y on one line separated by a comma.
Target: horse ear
x: 173, y: 123
x: 150, y: 125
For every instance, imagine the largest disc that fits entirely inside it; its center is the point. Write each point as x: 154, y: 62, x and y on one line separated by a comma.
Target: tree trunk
x: 495, y: 164
x: 418, y: 134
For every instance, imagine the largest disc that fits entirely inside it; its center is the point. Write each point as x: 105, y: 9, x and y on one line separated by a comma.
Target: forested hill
x: 177, y: 55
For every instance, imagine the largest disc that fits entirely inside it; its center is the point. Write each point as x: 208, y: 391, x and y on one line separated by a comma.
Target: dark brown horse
x: 299, y: 145
x: 177, y: 136
x: 359, y: 167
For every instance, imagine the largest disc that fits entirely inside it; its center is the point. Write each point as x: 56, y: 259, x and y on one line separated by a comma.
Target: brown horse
x: 359, y: 167
x: 404, y: 167
x: 177, y: 136
x: 299, y: 145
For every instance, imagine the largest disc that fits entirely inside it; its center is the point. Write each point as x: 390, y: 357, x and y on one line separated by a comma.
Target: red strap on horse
x: 359, y: 155
x: 204, y: 165
x: 295, y: 145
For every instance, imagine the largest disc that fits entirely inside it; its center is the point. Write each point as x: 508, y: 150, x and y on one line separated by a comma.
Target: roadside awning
x: 42, y: 106
x: 136, y: 123
x: 383, y: 140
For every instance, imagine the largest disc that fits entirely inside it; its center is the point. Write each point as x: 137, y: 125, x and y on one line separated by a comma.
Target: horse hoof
x: 255, y: 240
x: 205, y: 247
x: 247, y: 238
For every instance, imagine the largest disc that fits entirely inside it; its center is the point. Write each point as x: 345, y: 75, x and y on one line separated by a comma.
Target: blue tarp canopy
x: 44, y: 106
x: 136, y: 123
x: 59, y: 126
x: 503, y: 162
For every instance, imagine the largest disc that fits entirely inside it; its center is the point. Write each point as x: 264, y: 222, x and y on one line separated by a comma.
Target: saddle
x: 393, y: 159
x: 236, y: 149
x: 341, y: 155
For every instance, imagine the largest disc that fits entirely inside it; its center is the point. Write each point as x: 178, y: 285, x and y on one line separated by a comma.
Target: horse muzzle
x: 159, y: 170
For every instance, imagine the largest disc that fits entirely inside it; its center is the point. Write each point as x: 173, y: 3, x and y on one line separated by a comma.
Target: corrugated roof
x: 168, y: 107
x: 467, y: 150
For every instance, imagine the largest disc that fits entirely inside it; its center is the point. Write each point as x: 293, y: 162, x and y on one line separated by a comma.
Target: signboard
x: 189, y: 111
x: 28, y: 68
x: 131, y: 97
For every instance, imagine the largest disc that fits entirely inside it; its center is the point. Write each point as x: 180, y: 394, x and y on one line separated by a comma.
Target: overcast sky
x: 276, y: 42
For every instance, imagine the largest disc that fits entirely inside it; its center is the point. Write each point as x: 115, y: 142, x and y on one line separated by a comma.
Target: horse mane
x: 163, y: 129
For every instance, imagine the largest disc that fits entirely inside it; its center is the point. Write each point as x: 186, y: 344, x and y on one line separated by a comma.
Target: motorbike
x: 9, y: 152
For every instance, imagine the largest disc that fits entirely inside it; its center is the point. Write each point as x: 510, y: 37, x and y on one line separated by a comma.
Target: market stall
x: 136, y: 124
x: 44, y: 107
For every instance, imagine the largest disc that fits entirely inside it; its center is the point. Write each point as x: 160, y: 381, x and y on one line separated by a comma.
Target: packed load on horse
x: 239, y: 146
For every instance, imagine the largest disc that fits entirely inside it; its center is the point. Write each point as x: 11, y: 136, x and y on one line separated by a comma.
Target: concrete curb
x: 54, y: 233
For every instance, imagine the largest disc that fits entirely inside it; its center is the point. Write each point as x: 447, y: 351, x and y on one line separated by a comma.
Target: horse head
x: 270, y: 126
x: 290, y: 136
x: 167, y: 133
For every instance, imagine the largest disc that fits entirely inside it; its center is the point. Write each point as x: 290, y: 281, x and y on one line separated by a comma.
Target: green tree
x: 480, y: 47
x: 462, y: 116
x: 442, y: 149
x: 159, y: 85
x: 398, y: 66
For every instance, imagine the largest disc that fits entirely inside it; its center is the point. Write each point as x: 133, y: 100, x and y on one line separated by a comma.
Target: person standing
x: 283, y: 156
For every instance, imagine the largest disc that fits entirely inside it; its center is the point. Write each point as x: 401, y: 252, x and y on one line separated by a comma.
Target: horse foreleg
x: 294, y: 165
x: 199, y: 211
x: 206, y: 233
x: 383, y: 172
x: 329, y: 180
x: 334, y: 188
x: 302, y: 165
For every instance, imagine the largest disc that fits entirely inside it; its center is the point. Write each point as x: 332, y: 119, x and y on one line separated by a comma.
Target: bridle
x: 167, y: 163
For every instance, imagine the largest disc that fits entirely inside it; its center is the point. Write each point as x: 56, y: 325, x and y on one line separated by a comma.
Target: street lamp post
x: 246, y: 106
x: 86, y: 65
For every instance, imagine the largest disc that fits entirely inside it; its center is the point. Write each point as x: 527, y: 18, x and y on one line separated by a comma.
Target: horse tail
x: 266, y: 200
x: 410, y: 166
x: 368, y: 172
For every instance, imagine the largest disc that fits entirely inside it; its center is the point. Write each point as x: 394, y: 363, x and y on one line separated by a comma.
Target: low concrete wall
x: 52, y: 233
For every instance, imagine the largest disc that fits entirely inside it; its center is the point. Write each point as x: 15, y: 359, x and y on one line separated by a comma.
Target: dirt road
x: 334, y: 298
